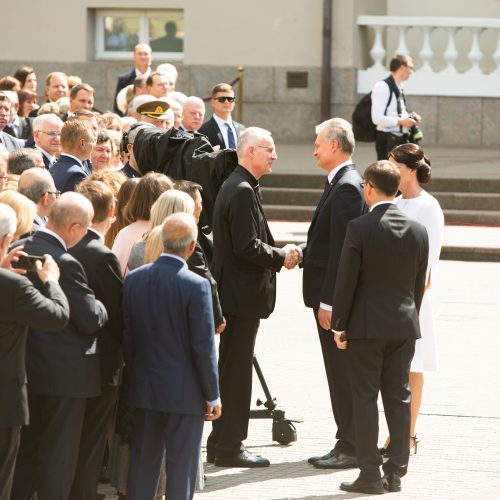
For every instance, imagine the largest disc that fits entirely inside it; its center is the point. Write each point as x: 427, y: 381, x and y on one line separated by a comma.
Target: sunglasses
x: 225, y: 99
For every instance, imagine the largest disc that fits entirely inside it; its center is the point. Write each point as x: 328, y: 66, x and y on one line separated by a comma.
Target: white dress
x: 426, y: 210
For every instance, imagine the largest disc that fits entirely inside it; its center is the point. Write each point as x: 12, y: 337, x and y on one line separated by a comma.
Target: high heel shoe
x: 415, y: 443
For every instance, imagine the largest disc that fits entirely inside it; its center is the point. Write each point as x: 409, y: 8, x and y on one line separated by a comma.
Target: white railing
x: 452, y: 56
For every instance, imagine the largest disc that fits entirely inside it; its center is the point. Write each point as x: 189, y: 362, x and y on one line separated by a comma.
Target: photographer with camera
x: 395, y: 125
x: 22, y: 306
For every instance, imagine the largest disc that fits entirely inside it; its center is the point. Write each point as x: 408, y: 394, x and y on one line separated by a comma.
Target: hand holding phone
x: 49, y: 271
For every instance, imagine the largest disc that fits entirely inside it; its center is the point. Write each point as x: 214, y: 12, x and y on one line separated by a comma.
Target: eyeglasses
x: 56, y: 193
x: 269, y: 149
x: 51, y: 134
x: 367, y: 182
x: 225, y: 99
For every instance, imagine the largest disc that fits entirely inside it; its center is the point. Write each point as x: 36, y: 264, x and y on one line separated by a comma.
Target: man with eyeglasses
x: 47, y: 135
x: 221, y: 129
x: 245, y: 262
x: 389, y: 113
x: 38, y: 185
x: 7, y: 142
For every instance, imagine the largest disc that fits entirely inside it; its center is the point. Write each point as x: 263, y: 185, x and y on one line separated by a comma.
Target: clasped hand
x: 292, y: 255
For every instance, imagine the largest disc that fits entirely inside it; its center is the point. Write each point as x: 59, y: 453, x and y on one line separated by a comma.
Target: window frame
x: 126, y: 55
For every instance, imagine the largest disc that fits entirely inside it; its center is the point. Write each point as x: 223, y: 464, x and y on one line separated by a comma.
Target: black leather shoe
x: 242, y: 459
x: 391, y: 482
x: 364, y: 486
x: 338, y: 460
x: 317, y: 458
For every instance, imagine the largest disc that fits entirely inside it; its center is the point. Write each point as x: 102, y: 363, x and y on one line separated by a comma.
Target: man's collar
x: 51, y: 158
x: 55, y: 235
x: 385, y: 202
x: 99, y: 235
x: 334, y: 172
x: 171, y: 255
x: 74, y: 158
x: 222, y: 122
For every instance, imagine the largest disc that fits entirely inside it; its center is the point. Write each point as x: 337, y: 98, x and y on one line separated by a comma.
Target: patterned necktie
x: 230, y: 137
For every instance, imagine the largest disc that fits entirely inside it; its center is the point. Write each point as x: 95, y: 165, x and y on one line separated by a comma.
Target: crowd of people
x: 129, y: 239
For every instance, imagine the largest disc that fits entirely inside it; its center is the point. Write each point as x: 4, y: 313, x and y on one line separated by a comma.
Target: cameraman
x: 22, y: 306
x: 395, y: 125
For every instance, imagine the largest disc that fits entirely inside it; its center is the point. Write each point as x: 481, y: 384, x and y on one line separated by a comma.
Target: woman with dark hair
x: 28, y: 101
x: 27, y: 78
x: 138, y: 212
x: 418, y: 204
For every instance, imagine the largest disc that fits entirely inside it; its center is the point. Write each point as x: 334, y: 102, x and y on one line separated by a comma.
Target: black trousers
x: 179, y: 438
x: 97, y: 421
x: 49, y: 446
x: 337, y: 374
x: 381, y: 365
x: 9, y: 444
x: 385, y: 143
x: 235, y: 379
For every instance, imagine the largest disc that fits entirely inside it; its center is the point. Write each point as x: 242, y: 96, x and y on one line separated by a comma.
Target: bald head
x: 35, y: 183
x: 179, y: 234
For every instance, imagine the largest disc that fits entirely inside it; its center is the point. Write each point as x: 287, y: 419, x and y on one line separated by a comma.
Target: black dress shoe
x: 364, y: 486
x: 338, y: 460
x: 242, y: 459
x: 391, y: 482
x: 317, y: 458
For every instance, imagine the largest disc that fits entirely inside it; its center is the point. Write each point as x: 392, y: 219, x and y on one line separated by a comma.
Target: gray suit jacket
x: 10, y: 142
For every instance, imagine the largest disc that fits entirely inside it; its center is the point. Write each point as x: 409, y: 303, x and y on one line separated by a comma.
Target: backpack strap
x: 394, y: 89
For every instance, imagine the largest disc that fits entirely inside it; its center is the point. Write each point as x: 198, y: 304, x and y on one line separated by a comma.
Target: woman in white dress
x: 415, y: 170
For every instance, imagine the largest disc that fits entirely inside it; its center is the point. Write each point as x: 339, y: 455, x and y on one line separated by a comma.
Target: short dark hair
x: 99, y: 195
x: 413, y: 157
x: 221, y: 87
x: 146, y: 192
x: 188, y: 187
x: 397, y: 61
x: 22, y: 73
x: 81, y: 86
x: 21, y: 159
x: 384, y: 176
x: 102, y: 137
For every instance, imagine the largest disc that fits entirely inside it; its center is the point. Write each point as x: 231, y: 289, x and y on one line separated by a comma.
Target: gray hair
x: 35, y: 183
x: 8, y: 221
x: 251, y: 137
x: 340, y: 130
x: 41, y: 120
x: 22, y: 159
x: 132, y: 134
x: 179, y: 231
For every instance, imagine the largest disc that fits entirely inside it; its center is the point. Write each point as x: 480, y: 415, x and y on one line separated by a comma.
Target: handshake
x: 292, y: 255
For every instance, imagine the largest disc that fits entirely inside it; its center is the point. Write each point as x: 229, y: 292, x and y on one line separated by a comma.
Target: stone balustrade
x: 453, y: 56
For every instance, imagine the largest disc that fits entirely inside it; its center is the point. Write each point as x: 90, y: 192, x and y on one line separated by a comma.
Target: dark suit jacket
x: 245, y: 260
x: 23, y: 306
x: 57, y: 365
x: 105, y: 279
x: 381, y: 278
x: 25, y: 129
x: 169, y: 338
x: 67, y: 173
x: 123, y: 80
x: 10, y: 142
x: 212, y: 131
x: 342, y: 202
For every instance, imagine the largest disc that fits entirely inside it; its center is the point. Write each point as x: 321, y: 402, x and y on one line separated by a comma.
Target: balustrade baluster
x: 426, y: 52
x: 451, y: 53
x: 378, y: 50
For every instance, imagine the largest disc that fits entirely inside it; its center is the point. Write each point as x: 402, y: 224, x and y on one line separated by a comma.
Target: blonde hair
x: 154, y: 245
x: 25, y: 210
x: 170, y: 202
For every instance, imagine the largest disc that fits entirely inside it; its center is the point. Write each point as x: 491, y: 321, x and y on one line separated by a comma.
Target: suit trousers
x: 337, y: 374
x: 99, y: 413
x: 9, y: 444
x: 176, y: 436
x: 48, y: 451
x: 381, y: 365
x: 236, y: 350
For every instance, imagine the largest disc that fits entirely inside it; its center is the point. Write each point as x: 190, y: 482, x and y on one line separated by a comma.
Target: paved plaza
x: 459, y: 429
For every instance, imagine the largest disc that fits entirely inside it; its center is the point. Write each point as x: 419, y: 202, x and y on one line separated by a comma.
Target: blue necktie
x: 230, y: 137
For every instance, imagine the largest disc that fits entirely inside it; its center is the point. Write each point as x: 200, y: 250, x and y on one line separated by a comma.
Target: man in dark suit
x: 7, y: 142
x: 221, y: 129
x: 244, y: 265
x: 22, y: 306
x: 342, y: 201
x: 377, y: 297
x: 105, y: 279
x: 47, y: 137
x: 63, y: 369
x: 77, y: 141
x: 169, y: 347
x: 142, y: 59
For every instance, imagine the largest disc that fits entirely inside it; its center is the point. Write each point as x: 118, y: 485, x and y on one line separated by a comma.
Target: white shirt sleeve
x: 380, y: 97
